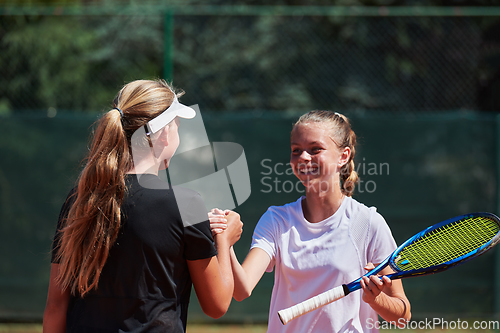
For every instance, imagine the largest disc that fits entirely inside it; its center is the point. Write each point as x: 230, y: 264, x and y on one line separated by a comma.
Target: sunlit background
x: 420, y: 81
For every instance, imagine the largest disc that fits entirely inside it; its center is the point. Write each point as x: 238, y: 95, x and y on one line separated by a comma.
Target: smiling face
x: 315, y: 158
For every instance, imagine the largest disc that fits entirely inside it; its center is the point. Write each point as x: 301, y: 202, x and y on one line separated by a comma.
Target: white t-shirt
x: 310, y: 258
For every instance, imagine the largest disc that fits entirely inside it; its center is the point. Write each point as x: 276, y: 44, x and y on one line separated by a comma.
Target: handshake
x: 225, y: 223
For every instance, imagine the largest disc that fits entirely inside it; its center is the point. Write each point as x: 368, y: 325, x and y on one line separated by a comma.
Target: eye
x: 316, y: 150
x: 296, y: 151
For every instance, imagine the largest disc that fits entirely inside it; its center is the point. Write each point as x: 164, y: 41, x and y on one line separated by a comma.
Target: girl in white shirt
x: 322, y: 240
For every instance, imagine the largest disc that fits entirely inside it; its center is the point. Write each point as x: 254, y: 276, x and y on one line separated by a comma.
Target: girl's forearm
x: 392, y: 308
x: 242, y: 289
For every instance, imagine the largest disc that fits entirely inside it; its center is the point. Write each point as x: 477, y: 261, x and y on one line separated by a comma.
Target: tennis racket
x: 435, y: 249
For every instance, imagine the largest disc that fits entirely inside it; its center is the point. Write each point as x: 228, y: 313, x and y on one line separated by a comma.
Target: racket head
x: 445, y: 245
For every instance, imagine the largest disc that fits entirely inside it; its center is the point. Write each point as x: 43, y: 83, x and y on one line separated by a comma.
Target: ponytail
x: 348, y: 175
x: 94, y: 219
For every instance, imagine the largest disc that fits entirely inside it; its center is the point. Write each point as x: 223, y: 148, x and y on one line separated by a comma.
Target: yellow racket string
x: 447, y: 243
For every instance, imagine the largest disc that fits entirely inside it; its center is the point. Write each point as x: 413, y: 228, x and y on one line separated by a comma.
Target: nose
x: 305, y: 156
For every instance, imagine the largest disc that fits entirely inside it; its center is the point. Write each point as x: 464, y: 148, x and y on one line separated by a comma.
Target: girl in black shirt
x: 123, y: 258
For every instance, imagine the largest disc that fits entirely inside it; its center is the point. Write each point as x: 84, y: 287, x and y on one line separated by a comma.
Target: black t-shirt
x: 145, y: 284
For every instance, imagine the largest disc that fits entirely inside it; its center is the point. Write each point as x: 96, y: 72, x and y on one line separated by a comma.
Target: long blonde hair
x: 94, y: 219
x: 343, y: 136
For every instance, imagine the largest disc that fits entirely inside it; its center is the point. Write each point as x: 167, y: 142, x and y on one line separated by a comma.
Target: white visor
x: 176, y: 109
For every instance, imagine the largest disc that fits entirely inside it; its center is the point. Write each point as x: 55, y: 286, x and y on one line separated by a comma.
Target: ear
x: 163, y: 137
x: 344, y: 156
x: 160, y: 141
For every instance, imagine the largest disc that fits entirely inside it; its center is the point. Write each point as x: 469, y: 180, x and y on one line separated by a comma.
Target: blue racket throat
x: 356, y: 284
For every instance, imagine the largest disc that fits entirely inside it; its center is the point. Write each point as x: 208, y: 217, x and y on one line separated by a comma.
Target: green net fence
x: 416, y: 170
x: 416, y: 88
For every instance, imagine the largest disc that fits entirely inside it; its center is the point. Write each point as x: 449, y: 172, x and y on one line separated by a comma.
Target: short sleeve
x: 198, y: 240
x: 381, y: 242
x: 63, y: 214
x: 265, y: 237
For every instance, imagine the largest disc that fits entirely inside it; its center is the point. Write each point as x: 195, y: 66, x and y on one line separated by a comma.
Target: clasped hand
x: 226, y: 221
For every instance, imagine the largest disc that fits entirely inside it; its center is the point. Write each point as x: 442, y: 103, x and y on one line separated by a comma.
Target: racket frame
x: 399, y: 274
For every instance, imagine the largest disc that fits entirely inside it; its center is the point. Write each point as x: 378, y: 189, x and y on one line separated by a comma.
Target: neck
x: 319, y: 206
x: 146, y: 165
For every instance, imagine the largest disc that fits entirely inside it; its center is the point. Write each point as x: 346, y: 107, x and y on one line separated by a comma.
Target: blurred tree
x: 74, y: 62
x: 246, y: 62
x: 45, y: 61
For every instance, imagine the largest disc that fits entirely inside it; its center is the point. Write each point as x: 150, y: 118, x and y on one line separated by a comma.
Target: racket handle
x: 286, y: 315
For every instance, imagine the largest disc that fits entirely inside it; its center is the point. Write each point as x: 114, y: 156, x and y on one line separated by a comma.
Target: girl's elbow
x: 214, y: 314
x: 216, y: 307
x: 215, y: 311
x: 240, y: 296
